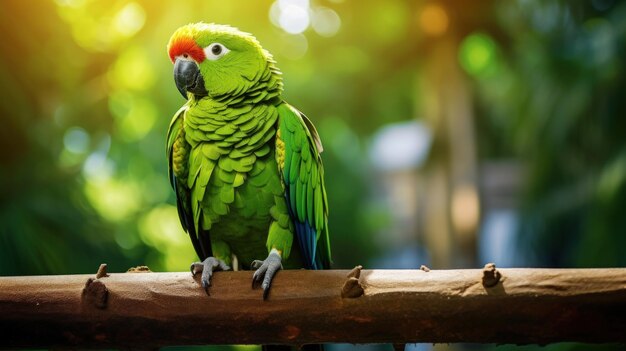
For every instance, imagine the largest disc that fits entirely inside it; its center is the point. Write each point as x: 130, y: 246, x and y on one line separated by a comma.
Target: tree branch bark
x: 394, y: 306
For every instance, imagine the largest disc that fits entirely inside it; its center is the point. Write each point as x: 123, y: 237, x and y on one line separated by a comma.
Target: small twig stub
x: 352, y: 288
x: 102, y: 271
x: 95, y: 293
x: 491, y: 276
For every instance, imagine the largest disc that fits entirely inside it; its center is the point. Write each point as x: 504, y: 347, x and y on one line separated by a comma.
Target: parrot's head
x: 213, y: 60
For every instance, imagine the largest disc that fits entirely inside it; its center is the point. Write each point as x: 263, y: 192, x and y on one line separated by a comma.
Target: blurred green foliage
x: 553, y: 98
x: 88, y: 97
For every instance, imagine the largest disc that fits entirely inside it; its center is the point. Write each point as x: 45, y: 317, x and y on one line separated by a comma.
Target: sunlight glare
x: 326, y: 22
x: 292, y: 16
x: 129, y: 20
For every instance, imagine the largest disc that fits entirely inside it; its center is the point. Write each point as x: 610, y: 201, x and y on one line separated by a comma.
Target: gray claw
x: 207, y: 267
x: 196, y: 268
x: 256, y: 264
x: 266, y: 272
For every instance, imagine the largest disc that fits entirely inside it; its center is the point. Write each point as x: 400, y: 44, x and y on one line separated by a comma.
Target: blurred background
x: 455, y: 133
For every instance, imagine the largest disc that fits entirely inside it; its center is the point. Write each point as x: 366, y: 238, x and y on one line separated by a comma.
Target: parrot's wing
x: 176, y: 125
x: 300, y: 165
x: 183, y: 194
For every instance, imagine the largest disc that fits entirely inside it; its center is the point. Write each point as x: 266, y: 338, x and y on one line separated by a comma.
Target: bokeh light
x: 160, y: 228
x: 293, y: 47
x: 291, y: 15
x: 326, y: 22
x: 133, y: 70
x: 465, y: 209
x: 114, y: 199
x: 433, y: 19
x: 478, y: 54
x: 76, y: 140
x: 401, y: 146
x: 138, y: 120
x: 129, y: 20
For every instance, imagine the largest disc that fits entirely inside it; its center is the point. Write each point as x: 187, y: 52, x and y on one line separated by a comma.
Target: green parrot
x: 244, y: 164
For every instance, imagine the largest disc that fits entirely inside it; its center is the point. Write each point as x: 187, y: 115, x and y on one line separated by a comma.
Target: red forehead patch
x: 181, y: 46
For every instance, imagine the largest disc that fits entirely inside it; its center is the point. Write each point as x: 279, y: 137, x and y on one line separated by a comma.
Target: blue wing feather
x: 298, y: 134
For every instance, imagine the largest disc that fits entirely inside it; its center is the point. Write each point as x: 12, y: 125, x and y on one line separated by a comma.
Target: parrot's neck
x: 265, y: 90
x: 231, y: 119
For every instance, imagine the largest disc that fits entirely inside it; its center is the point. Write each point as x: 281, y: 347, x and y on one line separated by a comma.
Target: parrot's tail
x: 311, y: 347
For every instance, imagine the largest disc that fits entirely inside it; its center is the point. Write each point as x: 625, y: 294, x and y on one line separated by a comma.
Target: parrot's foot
x: 265, y: 271
x: 207, y: 267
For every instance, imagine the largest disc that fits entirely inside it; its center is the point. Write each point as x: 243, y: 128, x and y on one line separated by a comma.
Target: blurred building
x: 398, y: 152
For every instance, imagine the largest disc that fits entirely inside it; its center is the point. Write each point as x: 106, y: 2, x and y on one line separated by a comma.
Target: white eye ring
x: 215, y: 51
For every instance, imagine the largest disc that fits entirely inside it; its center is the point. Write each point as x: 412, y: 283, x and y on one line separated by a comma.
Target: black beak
x: 188, y: 78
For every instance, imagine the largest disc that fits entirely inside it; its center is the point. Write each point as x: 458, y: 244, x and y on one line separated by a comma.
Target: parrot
x: 244, y: 164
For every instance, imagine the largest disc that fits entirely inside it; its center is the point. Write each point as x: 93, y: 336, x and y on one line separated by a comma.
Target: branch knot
x: 491, y: 276
x: 352, y: 288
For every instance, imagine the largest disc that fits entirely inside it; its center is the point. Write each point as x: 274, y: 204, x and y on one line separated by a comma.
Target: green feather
x: 301, y: 209
x: 226, y: 163
x: 293, y: 198
x: 237, y: 153
x: 257, y: 168
x: 232, y: 139
x: 314, y: 175
x: 247, y: 160
x: 264, y: 150
x: 226, y: 130
x: 239, y: 179
x: 242, y: 119
x: 298, y: 140
x: 174, y: 129
x: 310, y: 204
x: 275, y: 213
x: 241, y: 166
x: 260, y: 179
x: 306, y: 154
x: 268, y: 128
x: 287, y: 163
x: 319, y: 203
x: 227, y: 195
x: 225, y: 176
x: 284, y: 220
x: 249, y: 126
x: 235, y: 112
x: 294, y: 167
x: 219, y: 207
x: 304, y: 174
x: 211, y: 151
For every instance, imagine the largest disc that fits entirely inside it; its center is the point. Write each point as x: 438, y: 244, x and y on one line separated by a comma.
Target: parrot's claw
x: 265, y: 272
x: 256, y: 264
x: 207, y: 267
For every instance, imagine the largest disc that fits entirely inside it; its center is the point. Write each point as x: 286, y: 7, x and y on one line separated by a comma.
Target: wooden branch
x: 379, y: 306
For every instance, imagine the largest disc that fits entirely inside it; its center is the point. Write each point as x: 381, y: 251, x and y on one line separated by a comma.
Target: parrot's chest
x: 246, y: 218
x: 245, y: 226
x: 233, y: 174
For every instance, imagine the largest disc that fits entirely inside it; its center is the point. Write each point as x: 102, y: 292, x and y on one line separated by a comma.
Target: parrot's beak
x: 188, y: 78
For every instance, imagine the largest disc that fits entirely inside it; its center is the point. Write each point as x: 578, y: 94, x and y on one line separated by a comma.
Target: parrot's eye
x: 215, y: 51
